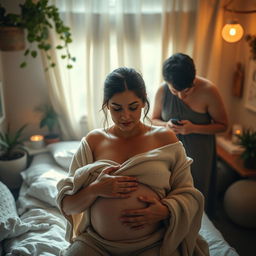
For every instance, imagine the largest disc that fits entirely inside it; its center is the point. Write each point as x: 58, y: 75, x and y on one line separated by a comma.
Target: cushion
x: 8, y: 212
x: 239, y: 203
x: 10, y: 223
x: 63, y: 152
x: 41, y: 178
x: 41, y: 163
x: 44, y: 187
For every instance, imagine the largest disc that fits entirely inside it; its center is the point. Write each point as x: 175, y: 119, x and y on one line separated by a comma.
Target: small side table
x: 32, y: 151
x: 235, y: 161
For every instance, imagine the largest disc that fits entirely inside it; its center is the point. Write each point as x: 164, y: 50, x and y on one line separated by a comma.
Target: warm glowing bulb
x: 232, y: 32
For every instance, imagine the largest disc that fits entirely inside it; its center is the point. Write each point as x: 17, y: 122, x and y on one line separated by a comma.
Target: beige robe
x: 167, y: 171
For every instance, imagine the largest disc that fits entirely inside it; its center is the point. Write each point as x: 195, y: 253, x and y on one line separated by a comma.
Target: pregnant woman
x: 129, y: 190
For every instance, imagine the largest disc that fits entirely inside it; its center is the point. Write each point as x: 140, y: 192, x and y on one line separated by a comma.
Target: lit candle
x: 37, y: 141
x: 236, y: 130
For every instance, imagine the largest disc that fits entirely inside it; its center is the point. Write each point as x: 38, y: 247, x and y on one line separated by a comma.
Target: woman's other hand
x: 138, y: 218
x: 110, y: 186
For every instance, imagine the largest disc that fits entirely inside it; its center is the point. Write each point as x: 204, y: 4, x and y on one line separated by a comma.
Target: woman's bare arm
x: 157, y: 109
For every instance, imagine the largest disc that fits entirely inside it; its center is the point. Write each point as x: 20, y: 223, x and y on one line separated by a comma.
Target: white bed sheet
x: 36, y: 204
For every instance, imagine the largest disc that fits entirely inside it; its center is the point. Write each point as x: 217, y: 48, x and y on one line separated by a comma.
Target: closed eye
x: 133, y: 108
x: 117, y: 109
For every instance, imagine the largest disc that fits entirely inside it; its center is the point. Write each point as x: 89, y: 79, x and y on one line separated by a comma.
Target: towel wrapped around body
x: 163, y: 173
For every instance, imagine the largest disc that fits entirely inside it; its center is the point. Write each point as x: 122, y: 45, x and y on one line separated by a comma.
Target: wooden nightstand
x: 235, y: 161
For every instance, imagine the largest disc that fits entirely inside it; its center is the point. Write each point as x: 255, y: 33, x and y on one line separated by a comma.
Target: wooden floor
x: 242, y: 239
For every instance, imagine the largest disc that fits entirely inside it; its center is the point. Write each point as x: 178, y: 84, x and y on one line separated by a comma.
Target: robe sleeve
x: 80, y: 160
x: 186, y: 205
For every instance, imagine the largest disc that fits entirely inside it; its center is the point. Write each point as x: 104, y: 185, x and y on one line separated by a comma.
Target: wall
x: 231, y: 54
x: 25, y: 88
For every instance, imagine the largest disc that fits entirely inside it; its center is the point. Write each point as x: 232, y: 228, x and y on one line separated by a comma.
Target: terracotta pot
x: 12, y: 39
x: 51, y: 138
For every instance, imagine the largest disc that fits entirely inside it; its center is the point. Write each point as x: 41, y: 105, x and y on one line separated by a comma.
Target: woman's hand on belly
x: 139, y: 218
x: 105, y: 214
x: 109, y: 186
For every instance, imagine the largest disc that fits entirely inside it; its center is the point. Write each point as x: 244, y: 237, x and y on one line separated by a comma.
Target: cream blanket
x: 167, y: 171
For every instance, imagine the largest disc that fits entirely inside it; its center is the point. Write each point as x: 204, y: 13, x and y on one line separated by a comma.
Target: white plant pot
x: 10, y: 171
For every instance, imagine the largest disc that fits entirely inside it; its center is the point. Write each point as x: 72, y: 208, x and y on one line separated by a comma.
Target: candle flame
x: 36, y: 138
x: 238, y: 132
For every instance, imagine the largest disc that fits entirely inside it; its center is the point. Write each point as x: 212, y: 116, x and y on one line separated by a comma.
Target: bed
x: 33, y: 225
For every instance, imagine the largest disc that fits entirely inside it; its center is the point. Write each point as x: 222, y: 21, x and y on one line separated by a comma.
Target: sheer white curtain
x: 111, y: 33
x: 179, y: 26
x: 208, y: 43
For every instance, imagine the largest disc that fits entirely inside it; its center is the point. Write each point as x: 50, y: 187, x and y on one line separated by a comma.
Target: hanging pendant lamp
x: 232, y: 32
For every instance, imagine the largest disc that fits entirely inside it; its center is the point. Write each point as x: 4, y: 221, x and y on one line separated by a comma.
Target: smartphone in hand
x: 175, y: 121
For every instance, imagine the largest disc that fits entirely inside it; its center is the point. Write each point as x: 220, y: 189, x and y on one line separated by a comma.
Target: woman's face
x: 181, y: 94
x: 125, y: 109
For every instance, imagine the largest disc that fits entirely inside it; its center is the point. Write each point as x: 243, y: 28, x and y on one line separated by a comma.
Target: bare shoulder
x: 95, y: 136
x: 160, y: 90
x: 204, y: 83
x: 163, y: 135
x: 207, y: 88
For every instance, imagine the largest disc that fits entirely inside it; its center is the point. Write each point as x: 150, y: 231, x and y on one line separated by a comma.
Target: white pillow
x: 44, y: 187
x: 63, y: 152
x: 40, y: 164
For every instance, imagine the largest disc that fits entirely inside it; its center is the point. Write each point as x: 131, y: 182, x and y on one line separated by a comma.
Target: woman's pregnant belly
x: 106, y: 213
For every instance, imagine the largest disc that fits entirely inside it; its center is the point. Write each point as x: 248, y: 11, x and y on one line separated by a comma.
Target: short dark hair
x: 122, y: 79
x: 180, y: 71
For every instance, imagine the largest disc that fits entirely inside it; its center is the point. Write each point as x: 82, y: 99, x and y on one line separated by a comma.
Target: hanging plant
x: 251, y: 39
x: 37, y: 18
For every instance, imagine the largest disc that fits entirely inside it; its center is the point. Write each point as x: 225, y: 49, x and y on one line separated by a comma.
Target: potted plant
x: 248, y: 141
x: 13, y: 156
x: 36, y: 18
x: 49, y: 120
x: 251, y: 39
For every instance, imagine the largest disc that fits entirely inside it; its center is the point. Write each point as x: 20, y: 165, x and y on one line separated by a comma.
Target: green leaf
x: 47, y: 47
x: 69, y: 40
x: 26, y: 52
x: 69, y: 66
x: 43, y: 123
x: 23, y: 64
x: 34, y: 54
x: 11, y: 142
